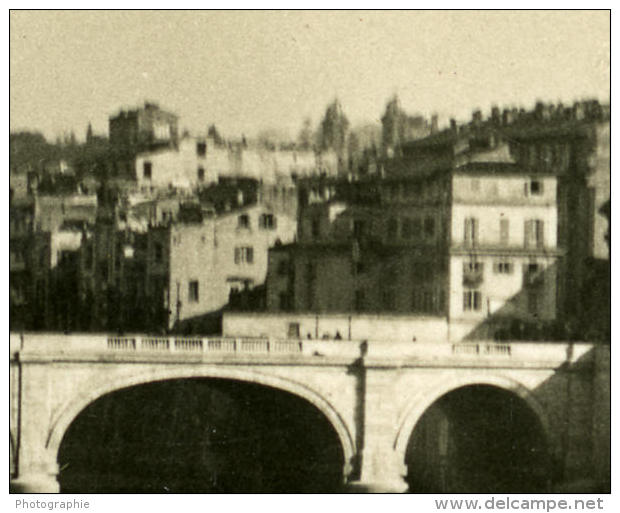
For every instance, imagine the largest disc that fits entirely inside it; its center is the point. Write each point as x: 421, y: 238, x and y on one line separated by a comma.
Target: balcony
x: 473, y: 274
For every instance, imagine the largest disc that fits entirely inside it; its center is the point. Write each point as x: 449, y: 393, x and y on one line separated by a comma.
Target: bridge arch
x: 424, y: 399
x: 79, y: 402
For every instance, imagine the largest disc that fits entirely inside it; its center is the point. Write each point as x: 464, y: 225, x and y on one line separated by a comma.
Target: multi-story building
x: 137, y: 266
x: 45, y: 236
x: 192, y: 267
x: 191, y: 163
x: 143, y: 128
x: 21, y: 223
x: 504, y: 258
x: 197, y: 162
x: 360, y: 242
x: 476, y: 223
x: 51, y: 212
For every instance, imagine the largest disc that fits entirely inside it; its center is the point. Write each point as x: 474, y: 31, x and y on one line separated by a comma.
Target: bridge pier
x: 382, y: 470
x: 36, y: 479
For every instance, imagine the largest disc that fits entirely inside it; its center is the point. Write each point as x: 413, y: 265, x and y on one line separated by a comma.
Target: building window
x: 359, y: 268
x: 416, y: 227
x: 359, y: 228
x: 389, y: 302
x: 267, y: 221
x: 316, y: 228
x: 533, y: 301
x: 201, y: 174
x: 534, y: 233
x: 159, y: 252
x: 503, y: 267
x: 429, y: 227
x: 243, y: 221
x: 147, y: 170
x: 504, y: 231
x: 293, y: 330
x: 392, y: 228
x: 532, y: 274
x: 192, y: 291
x: 472, y: 300
x: 283, y: 267
x: 360, y: 300
x: 88, y: 258
x: 17, y: 257
x: 471, y: 231
x: 534, y: 188
x: 407, y: 228
x: 473, y: 274
x: 244, y: 255
x: 201, y: 148
x: 285, y: 302
x: 424, y: 300
x: 473, y: 267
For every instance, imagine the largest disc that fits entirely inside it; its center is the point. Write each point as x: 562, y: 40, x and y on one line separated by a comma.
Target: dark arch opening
x: 198, y: 436
x: 478, y: 439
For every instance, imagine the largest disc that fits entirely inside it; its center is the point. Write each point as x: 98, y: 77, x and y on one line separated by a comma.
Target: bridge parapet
x: 482, y: 353
x: 62, y: 345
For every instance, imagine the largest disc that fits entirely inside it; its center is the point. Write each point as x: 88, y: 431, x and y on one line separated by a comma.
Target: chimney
x: 476, y: 117
x: 539, y: 111
x: 495, y: 116
x: 578, y: 111
x: 507, y: 117
x: 434, y: 123
x: 453, y: 125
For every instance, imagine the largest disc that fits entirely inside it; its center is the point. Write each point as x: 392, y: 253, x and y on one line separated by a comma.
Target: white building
x: 185, y: 167
x: 503, y: 253
x: 192, y: 268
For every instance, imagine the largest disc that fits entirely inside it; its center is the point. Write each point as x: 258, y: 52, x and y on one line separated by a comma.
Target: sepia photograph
x: 310, y: 252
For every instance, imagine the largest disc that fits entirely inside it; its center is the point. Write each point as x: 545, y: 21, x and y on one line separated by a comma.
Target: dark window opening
x: 193, y: 291
x: 147, y: 170
x: 243, y: 221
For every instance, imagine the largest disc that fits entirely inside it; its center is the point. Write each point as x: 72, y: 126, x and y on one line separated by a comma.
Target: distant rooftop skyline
x: 250, y: 71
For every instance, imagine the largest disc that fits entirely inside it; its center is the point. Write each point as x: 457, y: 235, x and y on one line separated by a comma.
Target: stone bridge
x: 372, y: 393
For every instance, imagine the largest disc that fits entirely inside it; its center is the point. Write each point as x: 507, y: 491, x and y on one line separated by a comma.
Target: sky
x: 250, y: 71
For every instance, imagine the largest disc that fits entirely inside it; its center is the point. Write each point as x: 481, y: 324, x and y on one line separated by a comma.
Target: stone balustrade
x: 483, y: 352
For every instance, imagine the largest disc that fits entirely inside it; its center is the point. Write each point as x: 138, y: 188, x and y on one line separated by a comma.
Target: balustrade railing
x: 193, y: 345
x: 482, y: 349
x: 155, y: 344
x: 122, y: 343
x: 158, y: 346
x: 204, y: 345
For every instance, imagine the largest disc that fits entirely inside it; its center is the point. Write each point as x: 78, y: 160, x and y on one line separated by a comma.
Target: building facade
x: 143, y: 128
x: 493, y: 225
x: 192, y: 268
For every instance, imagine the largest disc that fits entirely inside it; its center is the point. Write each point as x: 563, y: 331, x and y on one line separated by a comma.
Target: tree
x: 28, y: 150
x: 333, y: 129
